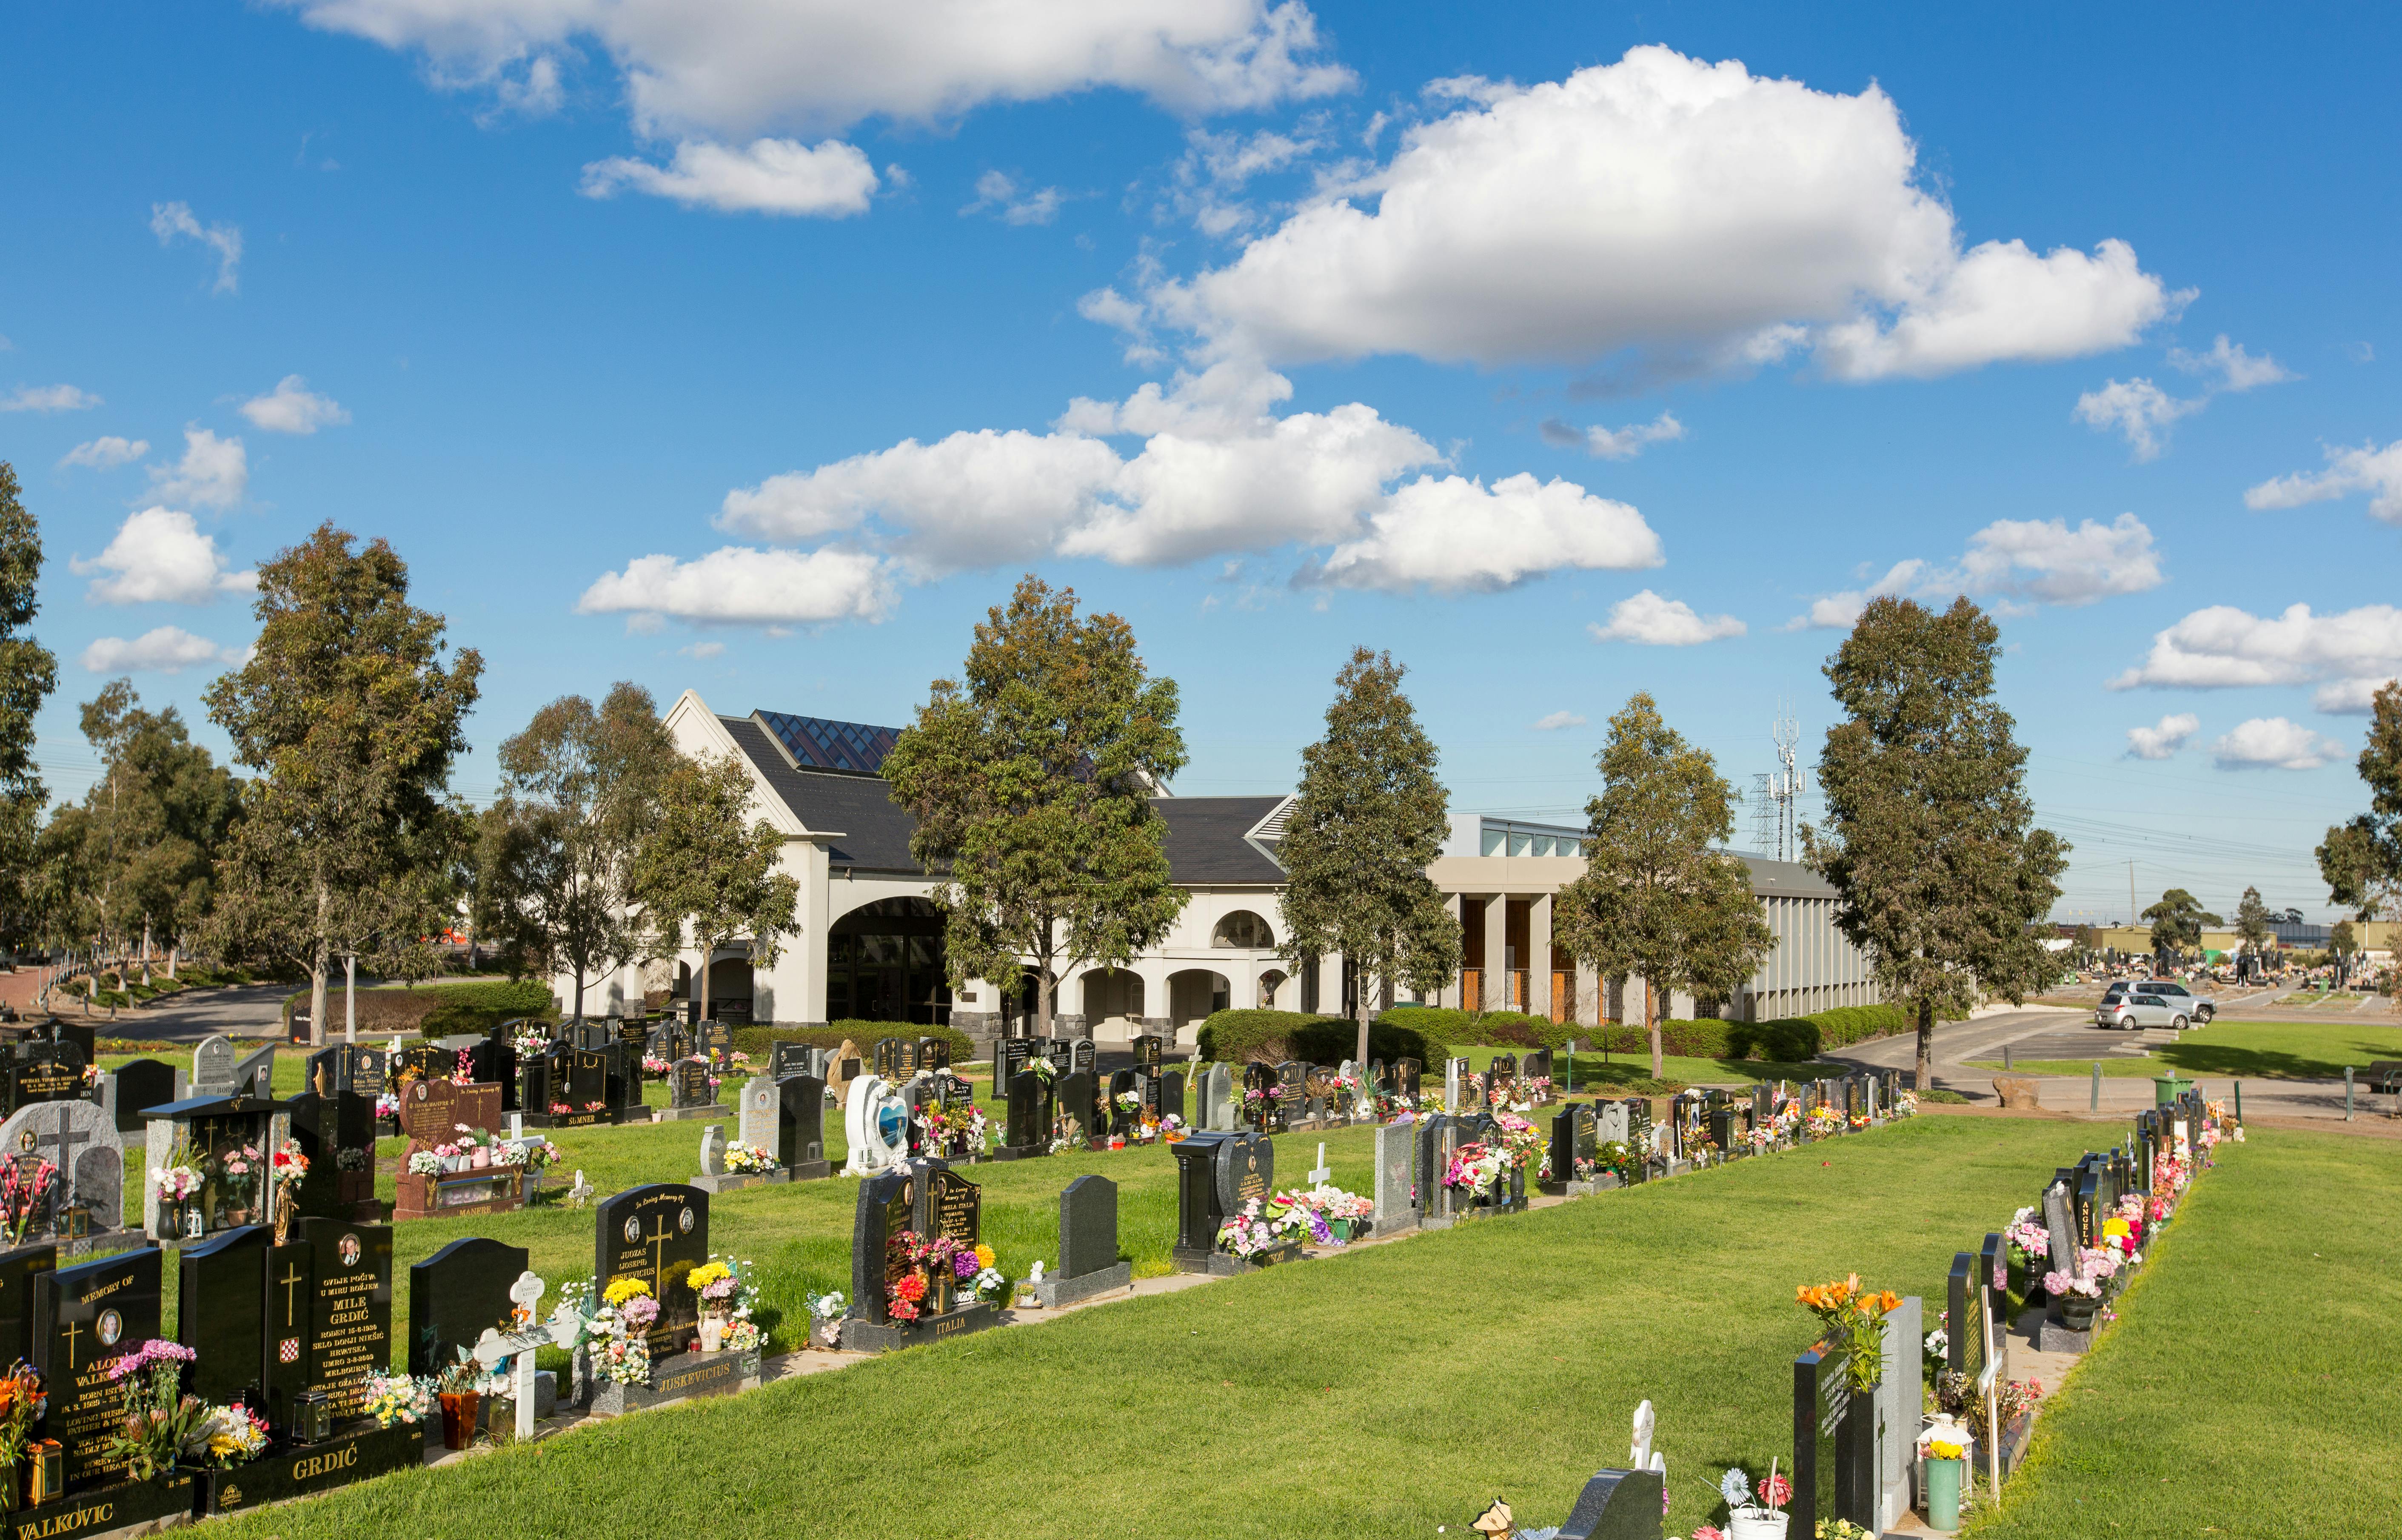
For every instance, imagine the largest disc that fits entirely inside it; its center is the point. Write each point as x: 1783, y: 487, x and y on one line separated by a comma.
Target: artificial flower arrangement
x: 1041, y: 1069
x: 825, y: 1317
x: 1825, y: 1120
x: 462, y: 1069
x: 239, y: 1169
x: 160, y: 1420
x: 24, y: 1195
x: 2028, y: 1237
x: 1537, y: 1087
x: 399, y: 1398
x: 1861, y: 1120
x: 2095, y: 1272
x: 748, y: 1159
x: 1841, y: 1529
x: 618, y: 1333
x: 729, y: 1296
x: 963, y: 1129
x: 1474, y: 1166
x: 1392, y: 1104
x: 1171, y: 1128
x: 1735, y: 1489
x: 535, y: 1154
x: 1321, y: 1209
x: 288, y: 1166
x: 1761, y: 1137
x: 1261, y: 1226
x: 1585, y: 1168
x: 181, y: 1178
x: 1618, y: 1158
x: 1522, y: 1144
x: 938, y: 1273
x: 426, y: 1162
x: 230, y: 1436
x: 1854, y: 1317
x: 1130, y: 1100
x: 1906, y: 1105
x: 22, y: 1406
x: 532, y: 1042
x: 653, y: 1064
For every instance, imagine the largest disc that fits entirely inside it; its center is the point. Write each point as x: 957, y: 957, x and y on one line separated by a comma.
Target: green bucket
x: 2168, y: 1088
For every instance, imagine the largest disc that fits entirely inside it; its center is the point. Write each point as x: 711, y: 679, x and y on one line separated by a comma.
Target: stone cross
x: 514, y: 1348
x: 1641, y: 1456
x: 64, y: 1136
x: 1318, y: 1178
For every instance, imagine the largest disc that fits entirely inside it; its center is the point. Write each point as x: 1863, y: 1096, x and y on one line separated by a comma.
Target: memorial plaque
x: 1246, y: 1171
x: 94, y: 1315
x: 656, y: 1233
x: 954, y: 1206
x: 349, y: 1308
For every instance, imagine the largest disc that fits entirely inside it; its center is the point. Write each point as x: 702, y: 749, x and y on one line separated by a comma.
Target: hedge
x: 1271, y: 1036
x: 434, y: 1009
x: 757, y: 1041
x: 1483, y: 1030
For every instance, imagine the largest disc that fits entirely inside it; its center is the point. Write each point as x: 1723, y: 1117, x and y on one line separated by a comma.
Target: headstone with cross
x: 88, y: 1157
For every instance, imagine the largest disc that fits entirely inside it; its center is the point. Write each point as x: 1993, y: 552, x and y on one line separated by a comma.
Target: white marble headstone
x: 762, y: 1104
x: 213, y: 1068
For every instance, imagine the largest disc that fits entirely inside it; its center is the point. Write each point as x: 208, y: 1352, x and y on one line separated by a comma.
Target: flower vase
x: 480, y: 1160
x: 462, y: 1411
x: 825, y: 1331
x: 1943, y: 1491
x: 1759, y: 1526
x: 2076, y: 1311
x: 712, y: 1331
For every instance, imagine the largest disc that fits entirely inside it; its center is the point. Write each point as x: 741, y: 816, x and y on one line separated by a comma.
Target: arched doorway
x: 1243, y: 932
x: 729, y: 990
x: 1196, y: 994
x: 884, y: 963
x: 1271, y: 981
x: 1111, y: 993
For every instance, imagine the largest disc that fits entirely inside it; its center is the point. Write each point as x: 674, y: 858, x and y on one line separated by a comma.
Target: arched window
x: 1243, y: 930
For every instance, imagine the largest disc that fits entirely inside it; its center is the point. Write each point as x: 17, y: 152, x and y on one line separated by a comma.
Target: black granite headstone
x: 1088, y: 1227
x: 90, y: 1316
x: 142, y: 1082
x: 800, y: 1122
x: 455, y: 1295
x: 656, y: 1233
x: 1079, y: 1118
x: 221, y: 1315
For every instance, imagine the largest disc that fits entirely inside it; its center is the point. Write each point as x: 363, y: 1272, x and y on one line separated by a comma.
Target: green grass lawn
x: 2247, y: 1390
x: 2275, y: 1051
x: 1381, y: 1393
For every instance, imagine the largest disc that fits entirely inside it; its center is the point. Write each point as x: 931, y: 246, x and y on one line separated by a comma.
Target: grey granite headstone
x: 213, y: 1068
x: 1618, y: 1505
x: 712, y: 1150
x: 82, y: 1141
x: 761, y: 1105
x: 1397, y: 1199
x: 1217, y: 1098
x: 255, y: 1076
x: 1900, y: 1399
x: 2062, y: 1228
x: 1088, y: 1244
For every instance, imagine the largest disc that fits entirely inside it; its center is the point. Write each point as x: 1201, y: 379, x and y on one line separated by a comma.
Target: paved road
x: 248, y: 1011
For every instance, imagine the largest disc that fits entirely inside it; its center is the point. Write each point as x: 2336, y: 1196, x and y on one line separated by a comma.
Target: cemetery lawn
x: 2248, y: 1387
x: 2250, y: 1051
x: 1379, y: 1392
x: 1618, y: 1069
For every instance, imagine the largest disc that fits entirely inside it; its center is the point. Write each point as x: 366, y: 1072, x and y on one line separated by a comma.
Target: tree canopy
x: 1368, y: 819
x: 707, y: 869
x: 28, y: 674
x: 351, y: 709
x: 1655, y: 899
x: 1929, y: 837
x: 2177, y: 920
x: 1031, y: 781
x: 2362, y: 860
x: 555, y: 853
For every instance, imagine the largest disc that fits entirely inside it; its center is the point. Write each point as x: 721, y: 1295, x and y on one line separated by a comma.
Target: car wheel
x: 2177, y: 1023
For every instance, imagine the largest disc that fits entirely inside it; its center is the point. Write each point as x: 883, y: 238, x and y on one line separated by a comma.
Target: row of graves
x: 1869, y: 1451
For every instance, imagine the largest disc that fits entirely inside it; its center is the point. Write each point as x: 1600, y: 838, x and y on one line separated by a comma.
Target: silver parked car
x: 2140, y: 1007
x: 2195, y: 1010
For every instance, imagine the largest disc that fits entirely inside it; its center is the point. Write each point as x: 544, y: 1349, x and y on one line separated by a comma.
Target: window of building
x: 1243, y: 930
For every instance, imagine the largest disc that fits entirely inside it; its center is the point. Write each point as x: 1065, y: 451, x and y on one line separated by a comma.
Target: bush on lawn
x: 759, y: 1042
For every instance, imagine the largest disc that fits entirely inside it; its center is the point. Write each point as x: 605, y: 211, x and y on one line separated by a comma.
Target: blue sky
x: 1565, y: 351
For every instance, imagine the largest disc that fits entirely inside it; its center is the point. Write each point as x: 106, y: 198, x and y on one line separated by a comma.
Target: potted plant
x: 159, y: 1420
x: 1764, y: 1518
x: 2077, y: 1299
x: 20, y: 1403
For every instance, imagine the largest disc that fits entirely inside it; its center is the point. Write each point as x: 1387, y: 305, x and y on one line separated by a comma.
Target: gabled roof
x: 872, y: 833
x: 819, y: 743
x: 1209, y: 840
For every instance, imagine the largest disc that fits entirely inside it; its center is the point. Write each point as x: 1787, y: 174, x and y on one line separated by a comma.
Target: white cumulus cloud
x: 107, y: 452
x: 47, y: 398
x: 780, y: 176
x: 2348, y: 698
x: 2273, y: 743
x: 168, y: 650
x: 724, y: 67
x: 160, y: 554
x: 2162, y: 741
x: 2144, y: 413
x: 292, y: 408
x: 736, y: 585
x: 1558, y: 720
x: 2367, y: 469
x: 1655, y: 622
x: 169, y: 221
x: 1456, y: 533
x: 2223, y: 647
x: 213, y: 472
x: 1691, y: 212
x: 2033, y: 560
x: 1616, y: 442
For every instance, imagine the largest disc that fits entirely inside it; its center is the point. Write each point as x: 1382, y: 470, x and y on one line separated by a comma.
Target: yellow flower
x: 1942, y: 1451
x: 983, y: 1255
x: 706, y: 1274
x: 625, y: 1289
x: 2115, y: 1227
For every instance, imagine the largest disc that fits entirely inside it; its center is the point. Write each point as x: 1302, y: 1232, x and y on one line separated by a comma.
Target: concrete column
x: 1539, y: 950
x: 1449, y: 994
x: 1496, y: 951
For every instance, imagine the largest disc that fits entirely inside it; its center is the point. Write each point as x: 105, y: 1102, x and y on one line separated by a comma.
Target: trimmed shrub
x: 1483, y: 1030
x: 435, y: 1009
x: 758, y: 1041
x: 1271, y: 1036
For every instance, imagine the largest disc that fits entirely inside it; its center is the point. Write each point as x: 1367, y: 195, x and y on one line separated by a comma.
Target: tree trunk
x: 579, y: 993
x: 1925, y: 1045
x: 1651, y: 1024
x: 1044, y: 984
x: 1362, y: 1010
x: 320, y: 963
x: 708, y: 950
